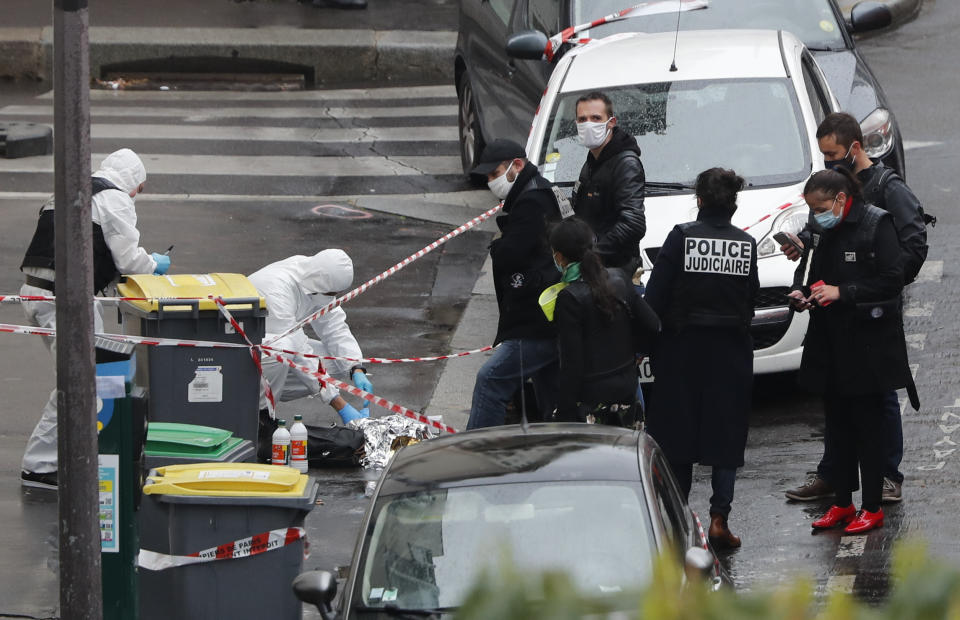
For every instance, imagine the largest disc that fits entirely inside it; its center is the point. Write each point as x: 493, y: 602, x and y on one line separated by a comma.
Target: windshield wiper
x: 400, y: 612
x: 669, y: 186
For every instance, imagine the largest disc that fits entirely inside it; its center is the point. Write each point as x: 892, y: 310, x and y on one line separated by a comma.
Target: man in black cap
x: 522, y: 267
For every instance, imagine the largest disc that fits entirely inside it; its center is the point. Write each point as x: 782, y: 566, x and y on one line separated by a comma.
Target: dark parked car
x: 445, y: 509
x: 499, y: 94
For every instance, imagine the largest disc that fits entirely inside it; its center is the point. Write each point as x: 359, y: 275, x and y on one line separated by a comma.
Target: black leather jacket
x: 609, y: 197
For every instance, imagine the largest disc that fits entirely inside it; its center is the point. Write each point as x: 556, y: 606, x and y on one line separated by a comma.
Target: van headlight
x: 878, y: 133
x: 792, y: 220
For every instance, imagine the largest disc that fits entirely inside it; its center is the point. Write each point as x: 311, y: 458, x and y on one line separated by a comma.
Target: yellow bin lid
x: 157, y: 288
x: 227, y: 480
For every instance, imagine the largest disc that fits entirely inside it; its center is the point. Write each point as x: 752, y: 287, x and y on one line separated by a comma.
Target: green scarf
x: 571, y: 273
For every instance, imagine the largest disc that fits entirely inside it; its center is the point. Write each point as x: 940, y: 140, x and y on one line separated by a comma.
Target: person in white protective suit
x: 295, y: 288
x: 116, y: 250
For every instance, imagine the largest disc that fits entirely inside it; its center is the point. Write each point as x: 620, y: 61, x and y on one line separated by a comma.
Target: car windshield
x: 752, y: 126
x: 426, y: 550
x: 812, y: 21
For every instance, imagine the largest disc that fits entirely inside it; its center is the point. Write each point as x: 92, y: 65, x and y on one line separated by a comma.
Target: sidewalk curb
x: 332, y: 56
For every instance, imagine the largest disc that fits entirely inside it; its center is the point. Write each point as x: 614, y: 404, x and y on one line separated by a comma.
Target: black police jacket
x: 705, y: 274
x: 609, y: 197
x: 883, y: 187
x: 856, y: 345
x: 522, y: 261
x: 597, y: 354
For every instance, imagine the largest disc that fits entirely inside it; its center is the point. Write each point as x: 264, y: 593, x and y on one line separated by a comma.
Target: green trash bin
x: 172, y: 443
x: 234, y: 541
x: 212, y: 386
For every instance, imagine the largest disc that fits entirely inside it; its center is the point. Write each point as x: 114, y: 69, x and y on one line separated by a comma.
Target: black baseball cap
x: 495, y: 153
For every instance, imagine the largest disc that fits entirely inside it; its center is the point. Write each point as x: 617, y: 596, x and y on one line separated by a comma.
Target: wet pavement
x: 416, y: 312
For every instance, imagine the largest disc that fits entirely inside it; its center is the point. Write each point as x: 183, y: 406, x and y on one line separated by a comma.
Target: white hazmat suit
x: 294, y: 289
x: 113, y: 210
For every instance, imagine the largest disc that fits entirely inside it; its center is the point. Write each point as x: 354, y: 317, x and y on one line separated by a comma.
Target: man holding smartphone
x: 840, y: 139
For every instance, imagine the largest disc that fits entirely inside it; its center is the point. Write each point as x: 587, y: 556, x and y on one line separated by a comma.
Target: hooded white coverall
x: 114, y: 211
x: 294, y: 289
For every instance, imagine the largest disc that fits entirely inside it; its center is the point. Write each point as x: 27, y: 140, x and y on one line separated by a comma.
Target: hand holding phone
x: 790, y: 245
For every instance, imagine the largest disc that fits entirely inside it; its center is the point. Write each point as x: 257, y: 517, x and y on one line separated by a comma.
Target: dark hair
x: 573, y: 238
x: 596, y: 96
x: 832, y: 182
x: 717, y: 188
x: 845, y: 129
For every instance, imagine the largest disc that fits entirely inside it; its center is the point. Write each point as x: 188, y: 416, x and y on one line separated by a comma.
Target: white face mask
x: 593, y: 135
x: 500, y: 186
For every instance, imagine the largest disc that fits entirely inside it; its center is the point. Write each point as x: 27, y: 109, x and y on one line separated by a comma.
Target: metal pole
x: 80, y: 580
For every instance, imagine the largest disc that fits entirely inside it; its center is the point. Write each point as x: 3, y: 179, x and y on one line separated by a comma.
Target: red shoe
x: 834, y: 517
x: 865, y: 522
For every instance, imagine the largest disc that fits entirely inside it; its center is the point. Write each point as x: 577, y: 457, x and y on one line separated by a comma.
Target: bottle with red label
x: 298, y: 445
x: 281, y: 444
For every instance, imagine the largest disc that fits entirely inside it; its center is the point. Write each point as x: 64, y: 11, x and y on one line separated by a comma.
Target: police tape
x: 243, y: 548
x: 254, y: 353
x: 389, y: 272
x: 383, y: 360
x: 774, y: 212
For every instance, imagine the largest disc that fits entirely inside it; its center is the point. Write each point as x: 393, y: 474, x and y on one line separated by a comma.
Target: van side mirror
x: 527, y: 45
x: 317, y: 587
x: 867, y: 16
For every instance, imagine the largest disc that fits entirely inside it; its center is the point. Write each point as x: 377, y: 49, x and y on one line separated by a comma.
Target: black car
x: 498, y: 94
x: 447, y: 508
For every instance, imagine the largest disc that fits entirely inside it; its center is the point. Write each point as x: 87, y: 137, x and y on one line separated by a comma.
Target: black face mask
x: 830, y: 164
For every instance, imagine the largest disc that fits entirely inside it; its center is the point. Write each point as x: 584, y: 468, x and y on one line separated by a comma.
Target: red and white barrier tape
x: 386, y: 404
x: 243, y: 548
x: 254, y: 353
x: 656, y: 7
x: 773, y: 213
x: 383, y: 360
x: 389, y: 272
x: 155, y: 342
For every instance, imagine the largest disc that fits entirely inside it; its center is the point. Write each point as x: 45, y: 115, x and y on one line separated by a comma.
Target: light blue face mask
x: 827, y: 219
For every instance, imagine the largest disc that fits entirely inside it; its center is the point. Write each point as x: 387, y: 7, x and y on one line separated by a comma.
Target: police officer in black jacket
x: 703, y: 287
x: 522, y: 268
x: 609, y: 194
x: 854, y: 352
x: 841, y: 142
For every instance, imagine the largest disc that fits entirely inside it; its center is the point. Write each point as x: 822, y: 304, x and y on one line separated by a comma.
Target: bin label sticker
x: 206, y: 386
x: 232, y: 474
x: 245, y: 547
x: 109, y: 470
x: 111, y: 387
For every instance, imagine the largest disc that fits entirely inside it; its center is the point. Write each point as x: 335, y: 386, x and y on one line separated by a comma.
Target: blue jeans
x: 501, y: 375
x: 892, y: 439
x: 722, y: 479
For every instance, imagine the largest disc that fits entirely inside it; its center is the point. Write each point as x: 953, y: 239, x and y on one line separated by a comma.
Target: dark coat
x: 522, y: 261
x: 597, y: 354
x: 609, y: 197
x: 701, y: 397
x: 856, y: 345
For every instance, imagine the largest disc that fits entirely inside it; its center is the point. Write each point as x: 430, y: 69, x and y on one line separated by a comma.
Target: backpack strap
x: 867, y: 231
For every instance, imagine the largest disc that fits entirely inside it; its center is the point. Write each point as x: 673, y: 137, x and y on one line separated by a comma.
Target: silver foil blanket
x: 385, y: 435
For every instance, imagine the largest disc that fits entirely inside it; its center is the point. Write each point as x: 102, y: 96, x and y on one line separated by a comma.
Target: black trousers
x: 722, y: 479
x: 855, y: 433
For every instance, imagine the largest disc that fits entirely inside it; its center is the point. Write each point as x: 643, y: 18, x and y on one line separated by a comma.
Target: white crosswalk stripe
x: 346, y: 142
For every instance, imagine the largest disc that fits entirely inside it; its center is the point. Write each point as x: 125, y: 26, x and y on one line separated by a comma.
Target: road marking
x: 274, y: 165
x: 139, y: 131
x: 851, y: 546
x: 909, y: 145
x: 916, y: 341
x: 198, y: 115
x: 919, y: 309
x: 840, y: 583
x: 932, y: 271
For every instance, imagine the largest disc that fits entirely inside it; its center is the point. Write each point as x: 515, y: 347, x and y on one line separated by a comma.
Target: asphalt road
x: 419, y: 309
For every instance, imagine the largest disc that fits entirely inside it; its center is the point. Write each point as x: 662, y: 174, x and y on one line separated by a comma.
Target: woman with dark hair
x: 703, y: 287
x: 600, y: 319
x: 854, y: 352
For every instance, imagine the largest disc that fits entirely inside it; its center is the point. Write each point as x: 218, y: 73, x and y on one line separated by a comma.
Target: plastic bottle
x: 298, y: 445
x: 281, y: 444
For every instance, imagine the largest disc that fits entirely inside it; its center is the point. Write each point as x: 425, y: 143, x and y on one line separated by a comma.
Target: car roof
x: 636, y: 58
x: 507, y: 454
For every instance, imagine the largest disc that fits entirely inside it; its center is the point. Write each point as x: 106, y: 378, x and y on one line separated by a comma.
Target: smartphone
x: 784, y: 239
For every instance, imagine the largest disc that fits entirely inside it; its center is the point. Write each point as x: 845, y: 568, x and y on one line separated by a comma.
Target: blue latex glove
x: 360, y: 380
x: 350, y: 413
x: 163, y: 263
